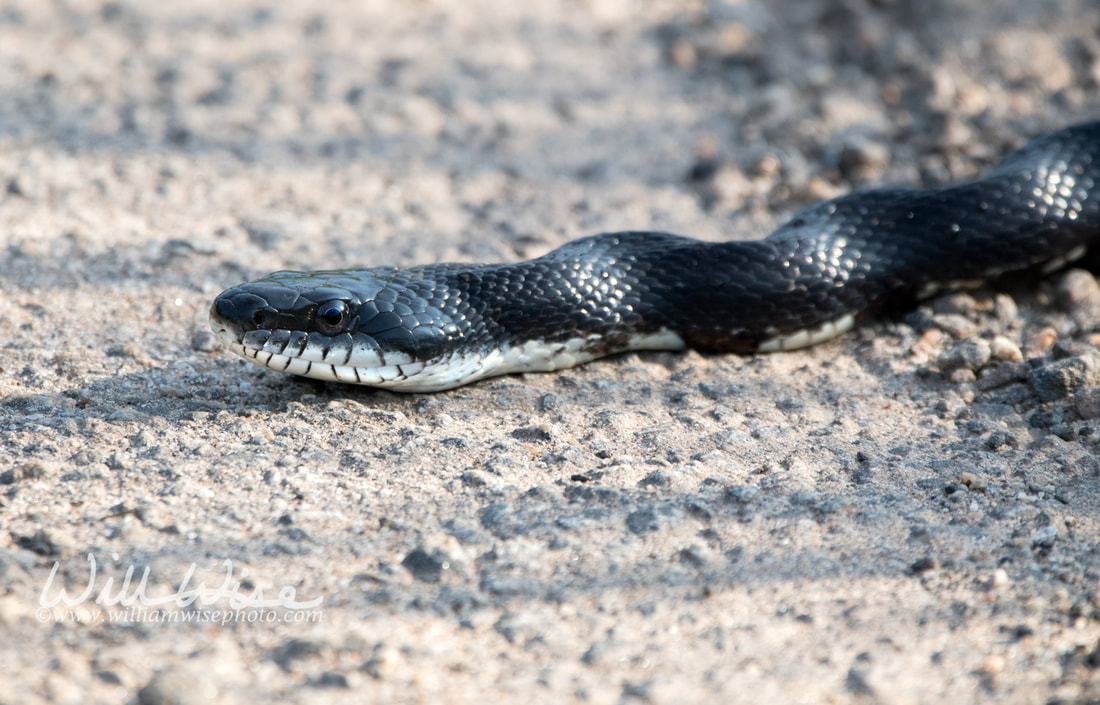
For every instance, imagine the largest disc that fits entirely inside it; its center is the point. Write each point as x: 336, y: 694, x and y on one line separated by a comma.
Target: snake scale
x: 439, y: 326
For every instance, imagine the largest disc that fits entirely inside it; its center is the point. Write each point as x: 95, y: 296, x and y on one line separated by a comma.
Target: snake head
x: 348, y: 326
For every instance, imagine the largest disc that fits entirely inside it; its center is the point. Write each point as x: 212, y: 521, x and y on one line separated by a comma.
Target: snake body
x: 439, y: 326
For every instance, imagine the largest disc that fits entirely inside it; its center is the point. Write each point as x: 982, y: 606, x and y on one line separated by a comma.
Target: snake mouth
x: 436, y: 375
x: 378, y: 376
x: 357, y: 359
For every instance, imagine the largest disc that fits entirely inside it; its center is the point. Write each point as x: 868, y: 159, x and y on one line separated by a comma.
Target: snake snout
x: 223, y: 316
x: 238, y: 312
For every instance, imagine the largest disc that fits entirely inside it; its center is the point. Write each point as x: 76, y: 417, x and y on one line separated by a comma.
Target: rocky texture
x: 907, y: 514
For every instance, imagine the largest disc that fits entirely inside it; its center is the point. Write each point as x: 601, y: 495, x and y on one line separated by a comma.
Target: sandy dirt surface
x: 909, y: 514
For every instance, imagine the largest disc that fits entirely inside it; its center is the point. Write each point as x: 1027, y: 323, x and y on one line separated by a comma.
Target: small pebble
x: 1044, y: 340
x: 976, y: 483
x: 862, y: 158
x: 1002, y: 374
x: 331, y: 679
x: 929, y: 341
x: 1086, y: 402
x: 696, y: 555
x: 953, y: 323
x: 533, y: 434
x: 998, y: 440
x: 962, y: 376
x: 1001, y: 348
x: 1005, y: 309
x: 1071, y: 348
x: 423, y: 566
x: 969, y: 355
x: 924, y: 565
x: 1044, y: 537
x: 476, y: 478
x: 654, y: 479
x: 437, y: 555
x: 958, y: 303
x: 1058, y: 379
x: 1078, y: 288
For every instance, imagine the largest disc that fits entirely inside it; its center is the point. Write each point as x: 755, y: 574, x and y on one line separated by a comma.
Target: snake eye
x: 331, y: 317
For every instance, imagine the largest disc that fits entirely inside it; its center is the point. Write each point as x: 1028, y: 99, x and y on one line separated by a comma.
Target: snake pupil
x: 332, y: 317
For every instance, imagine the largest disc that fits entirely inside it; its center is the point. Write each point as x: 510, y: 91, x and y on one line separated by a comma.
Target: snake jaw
x: 359, y: 359
x: 299, y: 353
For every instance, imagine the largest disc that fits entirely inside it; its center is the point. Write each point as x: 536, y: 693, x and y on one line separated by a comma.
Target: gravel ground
x: 909, y: 514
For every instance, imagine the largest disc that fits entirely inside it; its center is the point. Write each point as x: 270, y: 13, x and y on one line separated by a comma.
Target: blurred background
x: 658, y: 528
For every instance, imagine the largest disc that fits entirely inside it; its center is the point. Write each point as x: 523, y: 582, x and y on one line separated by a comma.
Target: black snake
x: 439, y: 326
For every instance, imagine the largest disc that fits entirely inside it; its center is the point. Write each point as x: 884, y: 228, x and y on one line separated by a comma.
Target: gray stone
x: 1087, y: 403
x: 958, y: 303
x: 861, y: 158
x: 953, y: 323
x: 423, y: 566
x: 330, y: 679
x: 532, y: 434
x: 969, y: 354
x: 1001, y: 375
x: 1059, y: 379
x: 1078, y: 288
